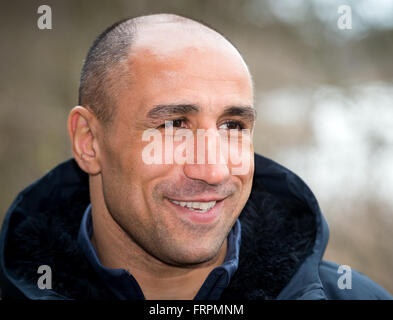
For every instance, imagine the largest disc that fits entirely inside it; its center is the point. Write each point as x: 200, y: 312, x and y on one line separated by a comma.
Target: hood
x: 284, y: 236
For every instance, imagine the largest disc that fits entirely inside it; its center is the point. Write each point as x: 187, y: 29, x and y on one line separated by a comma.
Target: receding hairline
x: 168, y: 18
x: 98, y: 89
x: 194, y: 33
x: 141, y: 27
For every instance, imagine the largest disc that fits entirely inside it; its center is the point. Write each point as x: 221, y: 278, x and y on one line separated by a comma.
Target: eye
x: 232, y: 124
x: 176, y: 123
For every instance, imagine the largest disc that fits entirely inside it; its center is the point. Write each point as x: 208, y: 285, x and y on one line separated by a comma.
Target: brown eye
x: 231, y: 124
x: 177, y: 123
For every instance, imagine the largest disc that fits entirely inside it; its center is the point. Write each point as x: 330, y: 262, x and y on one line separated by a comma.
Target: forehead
x: 179, y: 67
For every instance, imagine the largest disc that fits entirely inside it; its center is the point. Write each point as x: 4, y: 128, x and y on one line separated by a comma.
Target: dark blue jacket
x: 284, y: 236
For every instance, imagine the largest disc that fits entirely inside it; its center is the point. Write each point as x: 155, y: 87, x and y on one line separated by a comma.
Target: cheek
x: 241, y: 161
x: 247, y: 180
x: 124, y: 161
x: 140, y: 178
x: 120, y: 168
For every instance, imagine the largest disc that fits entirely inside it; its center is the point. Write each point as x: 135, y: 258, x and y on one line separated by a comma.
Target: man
x: 112, y: 224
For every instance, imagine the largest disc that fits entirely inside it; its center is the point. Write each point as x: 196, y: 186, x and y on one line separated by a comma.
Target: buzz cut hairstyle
x: 105, y: 71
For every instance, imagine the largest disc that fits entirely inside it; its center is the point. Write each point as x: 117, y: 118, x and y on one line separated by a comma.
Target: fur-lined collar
x: 281, y: 228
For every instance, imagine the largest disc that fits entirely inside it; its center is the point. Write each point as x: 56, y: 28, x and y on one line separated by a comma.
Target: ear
x: 81, y: 127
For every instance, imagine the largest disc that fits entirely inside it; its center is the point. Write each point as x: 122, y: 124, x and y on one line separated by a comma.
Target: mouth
x: 195, y: 206
x: 207, y: 211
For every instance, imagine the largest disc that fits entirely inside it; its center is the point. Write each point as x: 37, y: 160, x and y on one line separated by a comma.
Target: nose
x: 213, y: 172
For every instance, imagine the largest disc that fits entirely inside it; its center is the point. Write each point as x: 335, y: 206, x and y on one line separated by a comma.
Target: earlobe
x: 83, y: 141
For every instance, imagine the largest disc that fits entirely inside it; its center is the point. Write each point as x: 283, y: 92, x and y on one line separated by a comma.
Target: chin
x: 194, y: 256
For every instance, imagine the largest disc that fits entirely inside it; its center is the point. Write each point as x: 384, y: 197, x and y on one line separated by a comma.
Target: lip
x: 209, y: 217
x: 204, y: 199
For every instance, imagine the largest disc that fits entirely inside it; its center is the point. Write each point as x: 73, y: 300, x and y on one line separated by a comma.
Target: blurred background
x: 324, y: 97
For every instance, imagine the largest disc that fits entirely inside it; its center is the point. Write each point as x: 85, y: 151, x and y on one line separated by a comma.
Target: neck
x: 158, y: 280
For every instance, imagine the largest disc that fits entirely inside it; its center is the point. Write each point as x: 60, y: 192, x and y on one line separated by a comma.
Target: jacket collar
x: 283, y: 239
x: 125, y: 287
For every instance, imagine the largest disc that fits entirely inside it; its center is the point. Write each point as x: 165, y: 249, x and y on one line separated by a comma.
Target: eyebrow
x: 168, y: 110
x: 164, y: 111
x: 246, y: 112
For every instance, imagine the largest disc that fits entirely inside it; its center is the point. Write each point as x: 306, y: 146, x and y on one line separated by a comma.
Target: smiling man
x: 180, y: 71
x: 111, y: 225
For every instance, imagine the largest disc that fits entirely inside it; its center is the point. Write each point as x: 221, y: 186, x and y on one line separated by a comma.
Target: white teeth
x: 196, y: 206
x: 204, y: 206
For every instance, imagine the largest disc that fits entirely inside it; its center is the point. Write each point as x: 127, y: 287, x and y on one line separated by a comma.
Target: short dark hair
x: 103, y: 66
x: 107, y: 50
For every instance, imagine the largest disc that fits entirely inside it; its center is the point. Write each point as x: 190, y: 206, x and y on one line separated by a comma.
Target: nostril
x: 212, y: 174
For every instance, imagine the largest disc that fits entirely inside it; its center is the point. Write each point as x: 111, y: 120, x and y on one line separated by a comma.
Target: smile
x: 196, y: 206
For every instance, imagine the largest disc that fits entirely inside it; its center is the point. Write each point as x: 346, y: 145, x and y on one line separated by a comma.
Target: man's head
x: 139, y: 74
